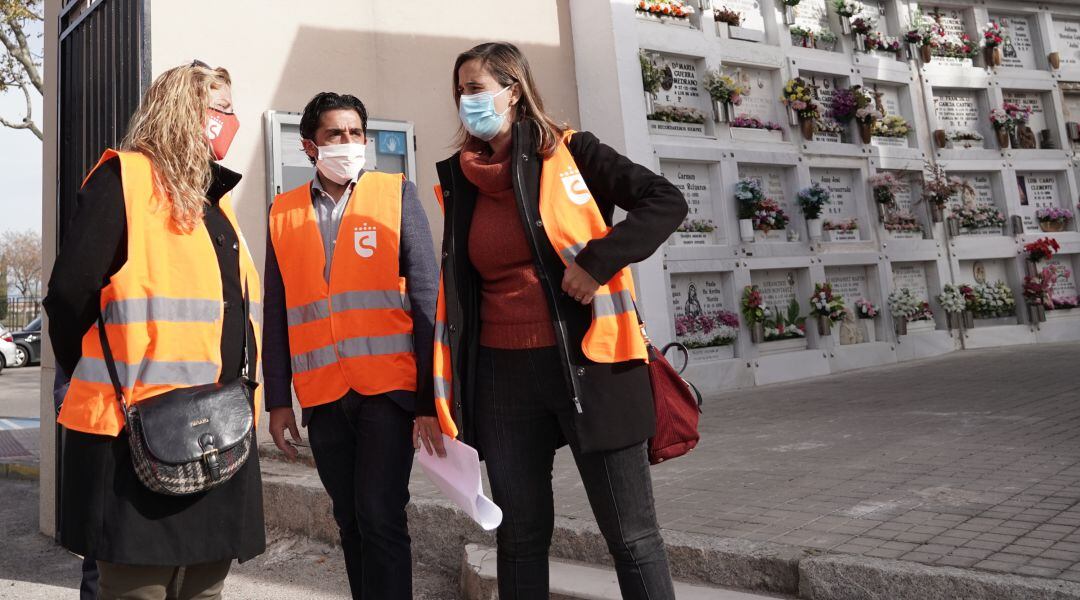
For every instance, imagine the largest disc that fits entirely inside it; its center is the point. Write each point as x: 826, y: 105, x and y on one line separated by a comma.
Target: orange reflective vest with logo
x: 355, y: 331
x: 571, y: 220
x: 163, y: 310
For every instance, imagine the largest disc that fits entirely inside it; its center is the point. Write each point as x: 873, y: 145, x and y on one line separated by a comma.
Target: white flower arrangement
x: 994, y: 300
x: 951, y: 299
x: 903, y: 304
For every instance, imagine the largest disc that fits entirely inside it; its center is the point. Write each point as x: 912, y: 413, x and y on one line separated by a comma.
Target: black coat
x: 612, y: 403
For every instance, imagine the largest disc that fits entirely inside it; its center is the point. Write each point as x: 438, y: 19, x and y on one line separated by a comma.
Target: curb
x: 294, y: 500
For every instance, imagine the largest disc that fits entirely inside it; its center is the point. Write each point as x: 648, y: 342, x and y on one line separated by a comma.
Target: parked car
x: 28, y: 344
x: 7, y: 348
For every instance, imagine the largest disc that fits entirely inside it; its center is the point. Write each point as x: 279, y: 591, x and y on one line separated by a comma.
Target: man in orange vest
x: 351, y: 284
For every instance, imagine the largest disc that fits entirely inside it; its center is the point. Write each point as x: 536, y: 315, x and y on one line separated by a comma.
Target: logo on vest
x: 364, y: 241
x: 576, y: 190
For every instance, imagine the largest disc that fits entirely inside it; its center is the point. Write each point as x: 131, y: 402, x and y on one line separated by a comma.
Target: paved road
x: 19, y: 392
x: 969, y: 460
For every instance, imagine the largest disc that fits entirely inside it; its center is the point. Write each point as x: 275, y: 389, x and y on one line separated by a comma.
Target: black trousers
x: 363, y: 452
x: 522, y: 413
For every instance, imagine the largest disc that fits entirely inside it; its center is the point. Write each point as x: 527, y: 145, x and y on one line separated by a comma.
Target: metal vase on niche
x: 953, y: 225
x: 1046, y: 140
x: 901, y: 326
x: 1072, y: 128
x: 1002, y: 135
x: 860, y: 42
x: 1016, y: 224
x: 866, y: 131
x: 824, y: 326
x: 721, y: 111
x: 936, y: 213
x: 925, y: 54
x: 757, y: 332
x: 650, y: 104
x: 940, y: 138
x: 1030, y: 269
x: 1054, y: 59
x: 1037, y: 312
x: 746, y: 230
x: 969, y: 319
x: 814, y: 228
x: 793, y: 117
x: 808, y: 128
x: 789, y: 15
x: 845, y: 25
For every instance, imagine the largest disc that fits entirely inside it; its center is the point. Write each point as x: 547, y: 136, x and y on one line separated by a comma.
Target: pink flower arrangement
x: 707, y: 330
x: 769, y: 216
x: 1053, y: 215
x: 749, y: 122
x: 866, y: 309
x: 845, y: 225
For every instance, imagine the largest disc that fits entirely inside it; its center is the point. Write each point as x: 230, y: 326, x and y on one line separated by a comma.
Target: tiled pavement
x: 969, y: 460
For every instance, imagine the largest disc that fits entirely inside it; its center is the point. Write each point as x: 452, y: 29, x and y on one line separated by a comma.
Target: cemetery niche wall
x: 785, y: 193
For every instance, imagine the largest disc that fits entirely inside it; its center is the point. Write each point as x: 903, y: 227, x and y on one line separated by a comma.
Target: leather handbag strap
x: 110, y: 363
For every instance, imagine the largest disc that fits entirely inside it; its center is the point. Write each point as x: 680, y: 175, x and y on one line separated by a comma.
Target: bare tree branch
x: 19, y: 66
x: 28, y: 121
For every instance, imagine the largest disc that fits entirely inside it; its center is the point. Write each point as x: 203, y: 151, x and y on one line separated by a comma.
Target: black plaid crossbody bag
x: 191, y: 439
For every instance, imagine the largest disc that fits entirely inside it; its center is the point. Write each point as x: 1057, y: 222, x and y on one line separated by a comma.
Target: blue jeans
x: 522, y: 413
x: 363, y: 452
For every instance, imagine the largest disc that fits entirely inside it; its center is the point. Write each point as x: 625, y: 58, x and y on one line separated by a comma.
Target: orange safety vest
x: 355, y: 332
x: 571, y: 220
x: 163, y: 310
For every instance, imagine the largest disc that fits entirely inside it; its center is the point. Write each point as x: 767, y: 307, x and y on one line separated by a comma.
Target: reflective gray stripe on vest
x: 605, y: 305
x: 570, y: 254
x: 149, y: 372
x: 368, y: 300
x: 442, y: 334
x: 315, y: 359
x: 306, y: 313
x: 375, y: 346
x: 177, y: 310
x: 442, y: 388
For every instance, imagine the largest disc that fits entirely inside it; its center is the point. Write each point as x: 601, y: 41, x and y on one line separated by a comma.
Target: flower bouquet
x: 994, y: 300
x: 884, y: 187
x: 843, y: 105
x: 866, y: 113
x: 845, y: 10
x: 904, y: 306
x: 748, y: 122
x: 1041, y: 249
x: 903, y: 222
x: 812, y: 201
x: 798, y: 97
x: 754, y: 312
x: 826, y: 306
x: 1053, y: 219
x: 665, y: 8
x: 939, y: 189
x: 727, y: 16
x: 785, y: 325
x: 862, y: 25
x: 973, y: 217
x: 875, y: 40
x: 720, y: 328
x: 845, y: 225
x: 866, y: 309
x: 991, y: 39
x: 697, y: 226
x: 965, y: 139
x: 726, y: 93
x: 769, y: 216
x: 954, y: 304
x: 748, y: 196
x: 801, y: 36
x: 829, y: 126
x: 677, y: 114
x: 825, y: 39
x: 892, y: 126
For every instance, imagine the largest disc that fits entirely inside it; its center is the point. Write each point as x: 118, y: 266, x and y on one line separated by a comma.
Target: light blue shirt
x: 328, y: 214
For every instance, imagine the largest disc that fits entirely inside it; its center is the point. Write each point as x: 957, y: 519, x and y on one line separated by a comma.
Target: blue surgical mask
x: 477, y: 113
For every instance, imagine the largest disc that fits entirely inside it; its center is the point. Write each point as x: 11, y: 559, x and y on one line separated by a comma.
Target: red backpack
x: 678, y: 404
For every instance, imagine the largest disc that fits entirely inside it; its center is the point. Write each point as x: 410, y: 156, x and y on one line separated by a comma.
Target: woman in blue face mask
x: 540, y: 319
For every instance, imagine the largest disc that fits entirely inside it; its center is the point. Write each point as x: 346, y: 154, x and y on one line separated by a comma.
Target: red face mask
x: 220, y: 129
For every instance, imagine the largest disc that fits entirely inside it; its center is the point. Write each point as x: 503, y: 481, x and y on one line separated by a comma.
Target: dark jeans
x: 363, y: 452
x: 522, y: 412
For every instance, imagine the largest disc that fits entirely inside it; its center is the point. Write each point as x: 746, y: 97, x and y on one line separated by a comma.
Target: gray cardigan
x: 418, y: 266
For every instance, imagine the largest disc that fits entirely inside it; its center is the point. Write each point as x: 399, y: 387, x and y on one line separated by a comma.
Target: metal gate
x: 104, y: 67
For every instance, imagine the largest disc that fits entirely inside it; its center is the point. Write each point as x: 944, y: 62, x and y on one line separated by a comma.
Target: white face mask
x: 341, y: 163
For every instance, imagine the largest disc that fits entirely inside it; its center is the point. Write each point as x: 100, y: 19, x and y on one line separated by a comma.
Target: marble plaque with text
x: 772, y: 181
x: 1037, y: 190
x: 841, y: 186
x: 761, y: 100
x: 1017, y: 49
x: 912, y: 277
x: 777, y: 287
x: 957, y: 110
x: 849, y: 282
x: 692, y: 179
x: 1068, y: 42
x: 681, y: 84
x: 1032, y: 100
x: 812, y: 15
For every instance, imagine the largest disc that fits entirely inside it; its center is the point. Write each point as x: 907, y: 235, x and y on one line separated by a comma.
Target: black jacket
x: 612, y: 402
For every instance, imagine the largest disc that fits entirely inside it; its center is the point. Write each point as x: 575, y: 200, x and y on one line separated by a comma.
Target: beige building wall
x: 394, y: 56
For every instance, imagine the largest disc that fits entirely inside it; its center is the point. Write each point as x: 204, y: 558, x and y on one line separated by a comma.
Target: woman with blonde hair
x: 538, y: 341
x: 148, y: 306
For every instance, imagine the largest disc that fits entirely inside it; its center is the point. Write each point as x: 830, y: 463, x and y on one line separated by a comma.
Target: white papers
x: 458, y: 477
